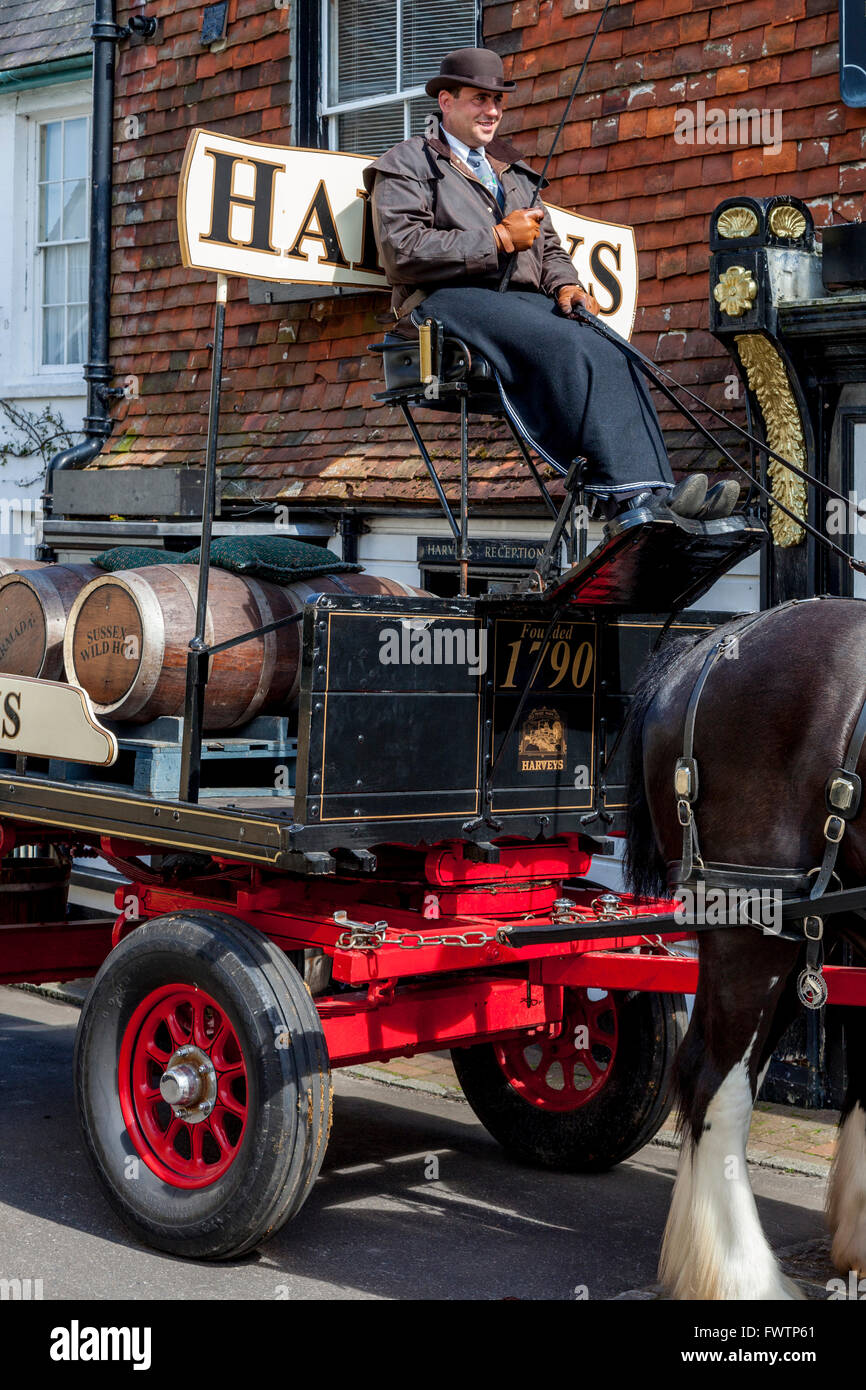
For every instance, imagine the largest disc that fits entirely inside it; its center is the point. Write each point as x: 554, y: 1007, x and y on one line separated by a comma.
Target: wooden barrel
x: 128, y: 635
x: 9, y: 565
x: 34, y: 607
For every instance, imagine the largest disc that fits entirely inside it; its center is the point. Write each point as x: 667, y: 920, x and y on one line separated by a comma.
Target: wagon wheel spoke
x: 180, y: 1032
x: 174, y: 1129
x: 196, y: 1135
x: 157, y: 1054
x: 228, y: 1100
x: 587, y: 1060
x: 218, y: 1132
x: 148, y: 1091
x: 594, y: 1010
x: 567, y: 1067
x: 224, y: 1054
x: 204, y: 1036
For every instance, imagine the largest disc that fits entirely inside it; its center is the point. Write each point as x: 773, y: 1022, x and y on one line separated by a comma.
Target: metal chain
x: 370, y: 936
x: 367, y: 936
x: 371, y: 940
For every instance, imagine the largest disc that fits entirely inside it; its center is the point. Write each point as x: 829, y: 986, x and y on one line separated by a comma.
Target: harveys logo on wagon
x: 46, y: 719
x: 296, y: 216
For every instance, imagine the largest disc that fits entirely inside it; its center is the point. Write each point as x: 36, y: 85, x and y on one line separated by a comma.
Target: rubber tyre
x: 617, y: 1121
x: 288, y: 1087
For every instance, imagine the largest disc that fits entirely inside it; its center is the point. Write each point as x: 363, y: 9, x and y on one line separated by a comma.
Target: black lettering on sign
x: 325, y: 230
x: 605, y: 275
x: 12, y: 712
x: 369, y: 251
x: 224, y: 200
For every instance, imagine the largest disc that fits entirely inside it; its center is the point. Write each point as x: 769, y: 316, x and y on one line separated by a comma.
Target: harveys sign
x: 44, y: 719
x: 271, y: 212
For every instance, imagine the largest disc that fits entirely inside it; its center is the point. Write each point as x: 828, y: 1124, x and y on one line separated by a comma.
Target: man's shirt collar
x: 461, y: 150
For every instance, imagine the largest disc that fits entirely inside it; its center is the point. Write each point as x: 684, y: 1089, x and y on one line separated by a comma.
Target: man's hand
x: 569, y: 296
x: 518, y: 230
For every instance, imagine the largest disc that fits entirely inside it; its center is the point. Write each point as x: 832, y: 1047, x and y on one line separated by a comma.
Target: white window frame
x: 33, y: 109
x: 343, y: 108
x: 39, y: 248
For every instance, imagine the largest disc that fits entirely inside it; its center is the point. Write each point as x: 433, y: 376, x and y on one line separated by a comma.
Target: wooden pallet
x: 257, y: 760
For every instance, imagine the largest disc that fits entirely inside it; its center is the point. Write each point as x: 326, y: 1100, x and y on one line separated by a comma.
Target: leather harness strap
x: 686, y: 775
x: 842, y: 793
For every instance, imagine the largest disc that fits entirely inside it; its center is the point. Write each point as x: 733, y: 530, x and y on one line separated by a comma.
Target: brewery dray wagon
x: 381, y: 844
x: 413, y: 871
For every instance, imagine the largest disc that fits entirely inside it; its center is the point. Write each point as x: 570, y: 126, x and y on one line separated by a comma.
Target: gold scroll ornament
x: 768, y: 380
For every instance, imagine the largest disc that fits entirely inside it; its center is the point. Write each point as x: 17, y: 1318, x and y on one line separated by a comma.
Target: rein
x: 657, y: 375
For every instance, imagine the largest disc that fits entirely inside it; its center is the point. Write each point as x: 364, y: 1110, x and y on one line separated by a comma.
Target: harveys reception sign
x: 293, y: 216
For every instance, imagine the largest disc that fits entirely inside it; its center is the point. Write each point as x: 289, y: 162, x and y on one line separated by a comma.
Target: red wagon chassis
x: 418, y: 963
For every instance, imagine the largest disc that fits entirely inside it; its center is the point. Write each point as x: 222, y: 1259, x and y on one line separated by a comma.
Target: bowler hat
x: 470, y: 67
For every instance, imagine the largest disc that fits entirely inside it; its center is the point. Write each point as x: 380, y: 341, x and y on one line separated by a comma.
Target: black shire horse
x: 773, y: 721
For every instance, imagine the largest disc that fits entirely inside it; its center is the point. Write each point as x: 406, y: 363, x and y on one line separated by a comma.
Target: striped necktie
x: 482, y: 170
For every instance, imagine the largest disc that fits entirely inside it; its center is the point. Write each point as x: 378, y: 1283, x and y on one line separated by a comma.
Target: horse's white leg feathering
x: 846, y: 1195
x: 714, y: 1247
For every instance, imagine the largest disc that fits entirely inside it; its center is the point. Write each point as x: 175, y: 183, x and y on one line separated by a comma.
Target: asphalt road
x: 377, y: 1225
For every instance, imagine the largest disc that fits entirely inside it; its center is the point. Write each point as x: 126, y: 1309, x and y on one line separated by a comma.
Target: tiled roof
x: 41, y: 31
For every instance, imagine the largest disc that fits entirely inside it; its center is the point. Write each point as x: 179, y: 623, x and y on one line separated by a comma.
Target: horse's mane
x: 645, y: 869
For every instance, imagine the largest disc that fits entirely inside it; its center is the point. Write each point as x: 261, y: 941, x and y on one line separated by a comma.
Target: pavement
x: 781, y: 1136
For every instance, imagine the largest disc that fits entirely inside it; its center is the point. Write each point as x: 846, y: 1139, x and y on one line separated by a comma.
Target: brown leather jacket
x: 434, y: 222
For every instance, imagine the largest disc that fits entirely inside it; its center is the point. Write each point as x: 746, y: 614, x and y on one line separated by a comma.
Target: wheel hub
x: 189, y: 1084
x: 182, y: 1079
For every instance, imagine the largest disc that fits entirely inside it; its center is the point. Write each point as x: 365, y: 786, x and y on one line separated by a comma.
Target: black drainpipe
x: 106, y: 33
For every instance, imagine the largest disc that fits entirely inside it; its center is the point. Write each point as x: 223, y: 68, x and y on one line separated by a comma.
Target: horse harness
x: 842, y: 796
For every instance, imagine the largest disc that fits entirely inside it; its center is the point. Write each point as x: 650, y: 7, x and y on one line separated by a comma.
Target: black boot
x: 689, y: 495
x: 720, y: 501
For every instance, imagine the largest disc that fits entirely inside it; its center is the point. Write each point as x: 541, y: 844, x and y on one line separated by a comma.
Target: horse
x: 779, y: 705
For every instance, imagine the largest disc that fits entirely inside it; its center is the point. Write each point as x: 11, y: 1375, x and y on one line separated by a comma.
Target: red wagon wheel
x: 568, y: 1071
x: 182, y: 1081
x: 202, y: 1084
x: 586, y: 1099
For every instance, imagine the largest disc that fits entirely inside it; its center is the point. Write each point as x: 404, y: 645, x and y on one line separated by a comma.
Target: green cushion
x: 281, y: 559
x: 136, y: 557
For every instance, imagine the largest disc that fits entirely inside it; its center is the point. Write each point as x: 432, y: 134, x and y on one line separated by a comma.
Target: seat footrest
x: 652, y: 561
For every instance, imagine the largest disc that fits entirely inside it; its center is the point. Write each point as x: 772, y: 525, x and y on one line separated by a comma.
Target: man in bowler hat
x: 449, y: 209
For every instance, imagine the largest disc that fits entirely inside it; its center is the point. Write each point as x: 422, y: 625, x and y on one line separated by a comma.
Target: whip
x: 512, y: 259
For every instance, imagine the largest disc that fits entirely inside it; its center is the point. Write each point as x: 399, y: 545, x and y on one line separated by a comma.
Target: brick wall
x: 298, y: 421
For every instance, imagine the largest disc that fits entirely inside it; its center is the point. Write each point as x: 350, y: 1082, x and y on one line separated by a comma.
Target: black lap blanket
x: 568, y: 391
